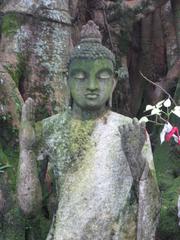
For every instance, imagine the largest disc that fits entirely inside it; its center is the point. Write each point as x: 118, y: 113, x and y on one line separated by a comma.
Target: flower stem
x: 155, y: 84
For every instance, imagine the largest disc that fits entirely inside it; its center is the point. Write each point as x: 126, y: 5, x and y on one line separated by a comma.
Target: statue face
x: 91, y: 82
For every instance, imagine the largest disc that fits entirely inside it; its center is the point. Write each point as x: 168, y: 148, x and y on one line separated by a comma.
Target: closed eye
x: 104, y: 75
x: 80, y: 76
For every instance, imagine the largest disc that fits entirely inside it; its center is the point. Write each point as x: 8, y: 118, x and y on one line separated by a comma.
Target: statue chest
x: 93, y: 149
x: 95, y: 186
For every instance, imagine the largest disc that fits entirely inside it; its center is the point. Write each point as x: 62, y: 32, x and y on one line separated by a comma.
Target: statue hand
x: 133, y: 137
x: 27, y: 133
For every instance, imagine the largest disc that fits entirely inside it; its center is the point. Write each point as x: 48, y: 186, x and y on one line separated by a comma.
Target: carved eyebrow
x: 77, y: 71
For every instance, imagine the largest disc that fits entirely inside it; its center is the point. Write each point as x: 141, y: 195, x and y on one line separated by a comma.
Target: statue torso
x: 96, y: 198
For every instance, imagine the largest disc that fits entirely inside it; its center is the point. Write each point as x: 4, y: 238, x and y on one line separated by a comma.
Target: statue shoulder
x: 118, y: 118
x: 52, y: 124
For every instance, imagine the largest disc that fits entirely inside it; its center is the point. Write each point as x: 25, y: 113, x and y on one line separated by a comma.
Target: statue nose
x: 93, y: 84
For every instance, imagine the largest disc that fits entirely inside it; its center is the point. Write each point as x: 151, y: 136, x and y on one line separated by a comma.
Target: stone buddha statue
x: 102, y: 161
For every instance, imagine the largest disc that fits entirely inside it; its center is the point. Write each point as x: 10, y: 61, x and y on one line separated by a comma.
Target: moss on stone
x: 38, y: 130
x: 3, y: 157
x: 167, y: 166
x: 9, y: 153
x: 10, y: 24
x: 37, y: 228
x: 12, y: 160
x: 17, y: 72
x: 79, y: 137
x: 68, y: 141
x: 13, y: 224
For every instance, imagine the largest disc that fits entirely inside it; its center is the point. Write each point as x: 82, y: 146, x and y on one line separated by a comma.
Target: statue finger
x: 30, y: 109
x: 126, y: 129
x: 143, y: 134
x: 30, y: 104
x: 135, y: 122
x: 130, y: 127
x: 23, y: 113
x: 143, y: 125
x: 121, y: 129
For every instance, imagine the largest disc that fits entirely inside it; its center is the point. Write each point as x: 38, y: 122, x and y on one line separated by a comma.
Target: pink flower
x: 169, y: 132
x: 174, y: 133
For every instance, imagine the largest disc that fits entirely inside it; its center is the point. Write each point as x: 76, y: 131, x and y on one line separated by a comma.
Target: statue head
x: 91, y: 71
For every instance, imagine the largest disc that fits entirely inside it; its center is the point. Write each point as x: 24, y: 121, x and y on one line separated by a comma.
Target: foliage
x: 3, y: 167
x: 3, y: 161
x: 162, y: 117
x: 167, y: 164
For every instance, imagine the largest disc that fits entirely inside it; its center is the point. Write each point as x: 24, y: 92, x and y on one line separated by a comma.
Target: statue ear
x: 114, y: 84
x: 113, y: 87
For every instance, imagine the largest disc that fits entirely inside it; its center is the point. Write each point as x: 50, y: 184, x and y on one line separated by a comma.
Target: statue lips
x: 91, y: 96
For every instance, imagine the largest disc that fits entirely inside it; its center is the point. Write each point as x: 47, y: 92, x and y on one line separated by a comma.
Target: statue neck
x: 82, y: 114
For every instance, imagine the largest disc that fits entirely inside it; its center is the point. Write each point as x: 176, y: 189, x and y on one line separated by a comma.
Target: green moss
x: 167, y: 165
x: 13, y: 224
x: 18, y: 104
x: 9, y: 154
x: 10, y: 24
x: 38, y: 130
x: 37, y: 228
x: 17, y: 72
x: 12, y: 160
x: 79, y: 137
x: 42, y: 111
x: 3, y: 157
x: 69, y: 140
x: 3, y: 161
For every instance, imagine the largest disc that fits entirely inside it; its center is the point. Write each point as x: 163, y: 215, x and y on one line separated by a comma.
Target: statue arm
x: 137, y: 148
x: 28, y: 185
x: 149, y: 197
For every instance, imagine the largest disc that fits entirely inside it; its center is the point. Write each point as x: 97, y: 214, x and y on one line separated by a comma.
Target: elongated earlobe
x: 113, y: 87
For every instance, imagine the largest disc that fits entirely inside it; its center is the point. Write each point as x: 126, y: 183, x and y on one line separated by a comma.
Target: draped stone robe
x: 97, y: 196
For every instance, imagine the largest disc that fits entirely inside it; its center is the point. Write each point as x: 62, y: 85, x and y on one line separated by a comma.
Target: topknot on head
x: 90, y: 32
x: 90, y: 46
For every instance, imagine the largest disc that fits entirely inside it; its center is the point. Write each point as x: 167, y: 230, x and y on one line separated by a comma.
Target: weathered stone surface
x: 96, y: 190
x: 10, y: 99
x: 46, y: 75
x: 39, y: 33
x: 49, y: 9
